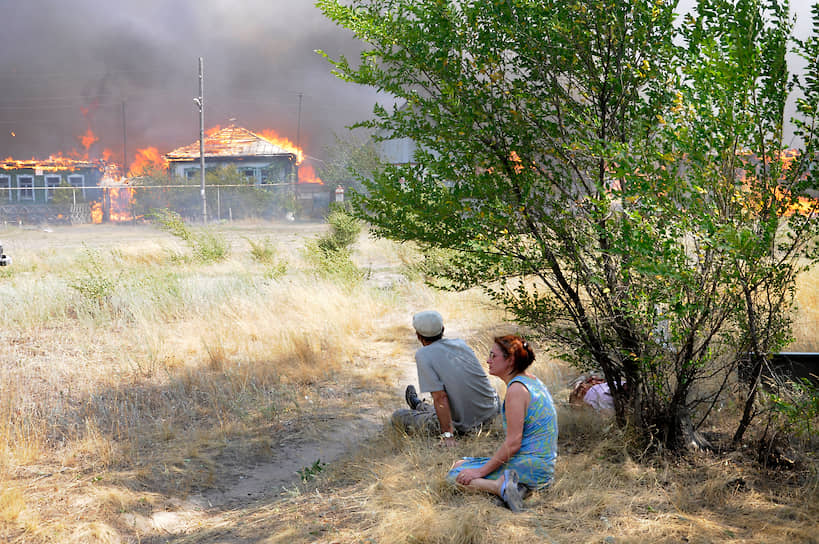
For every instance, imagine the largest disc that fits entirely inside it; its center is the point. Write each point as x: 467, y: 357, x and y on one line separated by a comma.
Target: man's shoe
x: 411, y: 397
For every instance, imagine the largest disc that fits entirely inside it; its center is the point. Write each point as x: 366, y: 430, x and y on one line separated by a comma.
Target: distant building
x: 58, y: 189
x: 251, y: 154
x: 398, y: 151
x: 35, y: 181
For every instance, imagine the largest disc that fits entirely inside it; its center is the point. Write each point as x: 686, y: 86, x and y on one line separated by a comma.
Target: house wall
x: 26, y: 186
x: 398, y: 151
x: 276, y: 170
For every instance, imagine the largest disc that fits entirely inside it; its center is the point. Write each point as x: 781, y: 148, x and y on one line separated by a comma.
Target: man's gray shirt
x: 450, y: 365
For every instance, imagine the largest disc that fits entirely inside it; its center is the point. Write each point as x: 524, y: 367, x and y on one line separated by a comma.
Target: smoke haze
x: 71, y: 65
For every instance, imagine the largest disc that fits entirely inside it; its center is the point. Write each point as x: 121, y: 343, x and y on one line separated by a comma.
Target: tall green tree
x: 611, y: 177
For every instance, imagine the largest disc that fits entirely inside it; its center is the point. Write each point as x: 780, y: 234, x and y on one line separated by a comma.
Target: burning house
x: 253, y: 155
x: 263, y: 157
x: 35, y: 190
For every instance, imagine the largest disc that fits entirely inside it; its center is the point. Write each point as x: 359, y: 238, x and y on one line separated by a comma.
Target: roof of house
x: 51, y: 164
x: 228, y: 142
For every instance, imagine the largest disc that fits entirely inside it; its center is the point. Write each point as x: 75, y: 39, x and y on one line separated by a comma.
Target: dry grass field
x: 147, y: 397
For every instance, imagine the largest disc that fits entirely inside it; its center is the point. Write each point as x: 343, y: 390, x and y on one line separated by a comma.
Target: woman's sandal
x: 511, y: 493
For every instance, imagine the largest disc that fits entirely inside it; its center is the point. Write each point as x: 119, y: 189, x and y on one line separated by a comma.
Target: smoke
x: 70, y: 66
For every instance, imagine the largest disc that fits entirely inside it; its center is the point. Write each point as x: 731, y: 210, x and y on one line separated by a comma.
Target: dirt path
x: 272, y: 479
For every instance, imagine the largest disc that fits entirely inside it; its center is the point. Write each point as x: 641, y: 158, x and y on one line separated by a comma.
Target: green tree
x: 610, y: 178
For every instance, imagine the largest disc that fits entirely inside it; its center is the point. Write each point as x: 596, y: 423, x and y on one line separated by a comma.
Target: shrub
x: 344, y: 230
x: 332, y: 264
x: 264, y: 252
x: 206, y: 245
x: 797, y: 404
x: 94, y: 283
x: 330, y: 254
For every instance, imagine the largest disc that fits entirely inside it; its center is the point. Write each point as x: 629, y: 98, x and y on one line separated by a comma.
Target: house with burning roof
x: 253, y: 155
x: 28, y: 188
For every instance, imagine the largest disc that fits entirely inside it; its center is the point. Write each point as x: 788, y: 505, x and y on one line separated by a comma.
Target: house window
x: 249, y: 172
x: 78, y: 181
x: 50, y: 183
x: 5, y: 188
x: 191, y: 173
x: 25, y: 187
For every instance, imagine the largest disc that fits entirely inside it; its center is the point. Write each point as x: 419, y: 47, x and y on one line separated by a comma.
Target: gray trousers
x: 424, y: 419
x: 421, y: 420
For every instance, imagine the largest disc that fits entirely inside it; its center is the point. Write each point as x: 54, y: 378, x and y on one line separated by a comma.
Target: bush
x: 332, y: 264
x: 265, y: 253
x: 206, y: 245
x: 344, y: 230
x: 330, y: 254
x: 94, y: 283
x: 797, y: 404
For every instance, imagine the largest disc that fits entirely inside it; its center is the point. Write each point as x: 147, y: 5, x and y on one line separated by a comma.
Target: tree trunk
x: 747, y: 412
x: 690, y: 437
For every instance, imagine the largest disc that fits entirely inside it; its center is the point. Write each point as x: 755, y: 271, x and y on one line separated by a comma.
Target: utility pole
x: 200, y: 102
x: 298, y: 137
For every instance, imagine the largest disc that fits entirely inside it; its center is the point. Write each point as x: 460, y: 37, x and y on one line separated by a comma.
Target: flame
x: 213, y: 130
x: 272, y: 137
x: 146, y: 160
x: 96, y: 212
x: 88, y: 139
x: 121, y: 200
x: 53, y: 163
x: 307, y: 174
x: 515, y: 158
x: 13, y: 135
x: 802, y: 206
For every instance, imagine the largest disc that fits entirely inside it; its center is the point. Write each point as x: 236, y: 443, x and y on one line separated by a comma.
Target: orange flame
x: 88, y: 139
x: 121, y: 200
x: 146, y: 160
x: 272, y: 137
x: 52, y: 164
x: 96, y: 212
x: 213, y: 130
x: 307, y: 174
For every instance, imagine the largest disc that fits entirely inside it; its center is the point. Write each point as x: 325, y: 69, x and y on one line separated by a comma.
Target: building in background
x: 34, y: 191
x: 251, y: 154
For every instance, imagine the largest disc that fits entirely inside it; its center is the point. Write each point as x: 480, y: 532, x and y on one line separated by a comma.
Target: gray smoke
x: 58, y: 57
x: 68, y: 65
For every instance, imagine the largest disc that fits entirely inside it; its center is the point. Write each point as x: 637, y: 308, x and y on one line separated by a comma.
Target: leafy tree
x: 614, y: 180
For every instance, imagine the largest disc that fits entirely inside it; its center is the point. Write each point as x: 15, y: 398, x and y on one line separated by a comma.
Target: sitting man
x: 462, y: 398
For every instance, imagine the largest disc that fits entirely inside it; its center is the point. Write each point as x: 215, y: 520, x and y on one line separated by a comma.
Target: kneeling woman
x: 526, y: 459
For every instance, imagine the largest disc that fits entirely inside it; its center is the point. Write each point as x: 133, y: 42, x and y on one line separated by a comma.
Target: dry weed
x: 111, y: 415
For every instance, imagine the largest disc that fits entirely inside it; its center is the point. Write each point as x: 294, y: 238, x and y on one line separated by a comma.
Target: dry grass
x: 114, y: 409
x: 806, y: 321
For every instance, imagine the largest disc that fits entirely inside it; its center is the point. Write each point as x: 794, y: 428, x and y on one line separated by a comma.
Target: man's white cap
x: 428, y: 323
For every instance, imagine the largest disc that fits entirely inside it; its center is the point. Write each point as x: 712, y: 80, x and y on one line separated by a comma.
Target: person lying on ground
x: 592, y: 391
x: 526, y: 459
x: 463, y: 400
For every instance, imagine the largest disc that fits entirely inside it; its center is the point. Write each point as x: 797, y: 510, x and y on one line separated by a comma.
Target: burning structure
x: 255, y: 156
x: 30, y: 189
x: 81, y: 190
x: 265, y: 158
x: 35, y: 182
